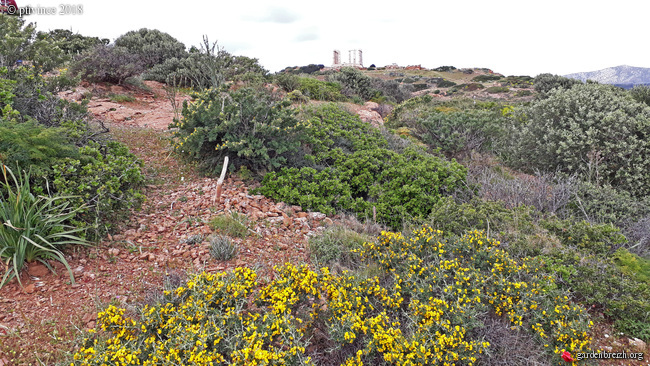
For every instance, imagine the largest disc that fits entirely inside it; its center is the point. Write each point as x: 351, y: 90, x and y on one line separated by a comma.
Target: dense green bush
x: 394, y: 91
x: 72, y: 43
x: 355, y: 82
x: 209, y: 67
x: 108, y: 64
x: 544, y: 83
x: 596, y: 131
x: 352, y: 169
x: 152, y: 45
x: 252, y: 127
x: 522, y: 82
x: 444, y: 68
x: 320, y: 90
x: 455, y: 127
x: 486, y: 77
x: 497, y: 89
x: 641, y: 93
x: 288, y: 82
x: 444, y: 83
x: 602, y: 239
x: 105, y: 179
x: 20, y: 42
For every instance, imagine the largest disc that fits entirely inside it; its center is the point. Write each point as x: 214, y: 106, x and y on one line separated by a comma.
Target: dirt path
x: 45, y: 320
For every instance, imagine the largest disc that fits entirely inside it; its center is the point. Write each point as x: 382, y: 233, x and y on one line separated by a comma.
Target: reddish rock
x: 37, y: 269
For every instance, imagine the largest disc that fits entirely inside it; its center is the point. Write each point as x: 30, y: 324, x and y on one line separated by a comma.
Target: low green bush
x: 641, y: 93
x: 602, y: 239
x: 250, y: 126
x: 486, y: 77
x: 445, y: 83
x: 110, y: 64
x: 222, y: 248
x: 334, y: 248
x: 34, y: 228
x: 320, y: 90
x: 152, y: 45
x: 234, y: 224
x: 497, y: 89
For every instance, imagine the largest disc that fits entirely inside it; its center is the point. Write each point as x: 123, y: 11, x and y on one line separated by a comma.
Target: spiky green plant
x: 33, y: 228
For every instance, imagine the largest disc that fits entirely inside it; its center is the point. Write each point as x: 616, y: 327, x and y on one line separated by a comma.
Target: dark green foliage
x: 523, y: 93
x: 152, y: 45
x: 641, y: 93
x: 497, y: 89
x: 209, y: 67
x: 467, y: 87
x: 444, y: 68
x: 108, y: 64
x: 633, y: 265
x: 355, y: 82
x: 361, y: 172
x: 288, y: 82
x: 523, y: 82
x: 599, y: 239
x: 593, y: 130
x: 72, y: 43
x: 251, y: 127
x: 393, y: 90
x: 320, y: 90
x: 20, y: 42
x: 486, y: 77
x: 455, y: 127
x: 309, y: 69
x: 105, y: 179
x: 28, y: 144
x: 444, y: 83
x: 544, y: 83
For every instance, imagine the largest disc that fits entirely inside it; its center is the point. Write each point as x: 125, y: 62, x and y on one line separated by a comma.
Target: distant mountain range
x: 623, y: 76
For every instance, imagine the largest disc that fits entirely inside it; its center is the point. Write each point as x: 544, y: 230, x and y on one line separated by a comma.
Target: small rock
x: 302, y: 214
x: 114, y: 252
x: 88, y: 317
x: 317, y: 216
x: 637, y: 343
x: 606, y: 335
x: 607, y: 348
x: 328, y: 222
x: 30, y: 288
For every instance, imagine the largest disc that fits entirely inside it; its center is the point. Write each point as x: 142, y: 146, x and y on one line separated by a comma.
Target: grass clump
x: 234, y: 224
x: 334, y: 247
x: 222, y: 248
x: 33, y: 228
x: 122, y: 98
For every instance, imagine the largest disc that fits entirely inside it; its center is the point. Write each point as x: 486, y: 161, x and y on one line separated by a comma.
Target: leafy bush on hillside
x: 444, y: 83
x: 320, y: 90
x: 21, y: 42
x: 209, y: 67
x: 544, y: 83
x: 288, y: 82
x: 486, y: 77
x: 105, y: 179
x: 72, y: 43
x: 497, y: 89
x: 252, y: 127
x: 394, y: 91
x: 352, y: 169
x: 444, y: 68
x: 592, y: 130
x: 152, y: 45
x: 522, y: 82
x: 355, y: 82
x: 108, y: 64
x: 641, y: 93
x: 456, y: 127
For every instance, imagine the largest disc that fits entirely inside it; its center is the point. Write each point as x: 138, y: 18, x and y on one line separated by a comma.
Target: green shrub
x: 108, y: 64
x: 34, y: 228
x: 320, y: 90
x: 235, y: 224
x: 152, y: 45
x: 523, y: 93
x: 393, y: 90
x: 544, y: 83
x: 249, y: 126
x: 641, y: 93
x: 361, y: 172
x: 633, y: 265
x: 486, y: 77
x: 21, y: 42
x: 523, y: 82
x: 106, y: 179
x: 122, y: 98
x: 592, y: 130
x: 222, y: 248
x: 497, y: 89
x: 354, y: 82
x: 445, y: 83
x: 445, y: 68
x: 288, y: 82
x: 599, y: 239
x: 72, y: 43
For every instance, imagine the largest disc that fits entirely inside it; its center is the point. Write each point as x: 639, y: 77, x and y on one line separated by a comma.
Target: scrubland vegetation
x: 501, y: 222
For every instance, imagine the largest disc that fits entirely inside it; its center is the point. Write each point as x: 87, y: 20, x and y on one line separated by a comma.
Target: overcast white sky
x: 512, y: 37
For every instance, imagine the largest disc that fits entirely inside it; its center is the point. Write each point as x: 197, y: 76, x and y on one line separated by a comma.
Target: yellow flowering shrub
x: 424, y: 309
